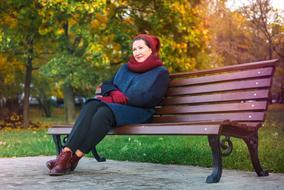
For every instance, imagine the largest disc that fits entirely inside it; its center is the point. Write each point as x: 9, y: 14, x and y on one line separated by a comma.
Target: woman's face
x: 140, y: 50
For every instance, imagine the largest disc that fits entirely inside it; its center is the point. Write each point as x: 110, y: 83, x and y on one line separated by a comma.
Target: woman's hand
x: 118, y: 97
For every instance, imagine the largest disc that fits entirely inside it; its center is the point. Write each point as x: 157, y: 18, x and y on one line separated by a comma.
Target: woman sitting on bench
x: 129, y: 98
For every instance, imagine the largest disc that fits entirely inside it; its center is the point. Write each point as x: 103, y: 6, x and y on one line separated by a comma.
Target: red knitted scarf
x: 151, y: 62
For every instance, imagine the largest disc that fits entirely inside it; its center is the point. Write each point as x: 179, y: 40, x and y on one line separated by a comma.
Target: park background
x: 54, y: 53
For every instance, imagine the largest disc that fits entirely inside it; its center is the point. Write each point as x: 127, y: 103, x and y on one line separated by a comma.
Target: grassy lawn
x: 187, y: 150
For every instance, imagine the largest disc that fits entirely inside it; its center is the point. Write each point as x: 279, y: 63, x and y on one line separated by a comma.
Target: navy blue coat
x: 144, y: 92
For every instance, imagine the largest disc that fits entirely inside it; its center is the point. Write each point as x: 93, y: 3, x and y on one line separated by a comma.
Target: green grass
x: 25, y: 142
x: 186, y: 150
x: 194, y: 150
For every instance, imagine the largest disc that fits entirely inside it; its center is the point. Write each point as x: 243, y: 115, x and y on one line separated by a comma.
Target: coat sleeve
x: 153, y: 96
x: 107, y: 87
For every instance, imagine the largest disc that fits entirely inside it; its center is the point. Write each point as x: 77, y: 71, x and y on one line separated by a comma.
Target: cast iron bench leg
x: 59, y: 146
x: 214, y: 142
x: 252, y: 144
x: 57, y: 142
x: 97, y: 156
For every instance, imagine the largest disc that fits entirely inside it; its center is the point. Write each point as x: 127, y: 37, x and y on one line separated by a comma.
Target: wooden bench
x: 229, y: 101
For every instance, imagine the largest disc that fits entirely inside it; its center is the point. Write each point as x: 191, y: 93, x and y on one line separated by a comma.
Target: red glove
x: 118, y: 97
x: 106, y: 99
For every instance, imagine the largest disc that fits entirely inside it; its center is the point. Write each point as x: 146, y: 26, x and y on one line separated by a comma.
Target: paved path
x: 30, y: 173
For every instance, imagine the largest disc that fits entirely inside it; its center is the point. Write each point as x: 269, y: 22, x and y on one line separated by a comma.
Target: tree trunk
x: 270, y: 51
x: 69, y: 105
x: 28, y: 79
x: 45, y: 104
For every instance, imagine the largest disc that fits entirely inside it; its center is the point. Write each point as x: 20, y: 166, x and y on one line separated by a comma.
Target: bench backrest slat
x: 218, y: 97
x: 220, y: 87
x: 236, y: 116
x: 246, y: 106
x: 255, y: 73
x: 244, y: 66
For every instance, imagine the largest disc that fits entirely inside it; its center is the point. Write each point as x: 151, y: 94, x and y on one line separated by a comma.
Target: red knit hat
x: 153, y: 41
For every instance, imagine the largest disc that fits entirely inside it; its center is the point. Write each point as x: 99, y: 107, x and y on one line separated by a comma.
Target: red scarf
x: 151, y: 62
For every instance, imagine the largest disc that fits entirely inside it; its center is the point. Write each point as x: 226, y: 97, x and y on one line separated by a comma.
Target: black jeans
x: 92, y: 125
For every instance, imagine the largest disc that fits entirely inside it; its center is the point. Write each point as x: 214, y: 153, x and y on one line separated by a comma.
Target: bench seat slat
x: 55, y: 130
x: 227, y: 86
x: 224, y: 107
x: 198, y: 129
x: 220, y: 97
x: 255, y: 73
x: 238, y: 116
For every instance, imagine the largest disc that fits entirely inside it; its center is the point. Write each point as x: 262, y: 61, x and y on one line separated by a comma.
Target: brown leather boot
x: 51, y: 163
x: 74, y: 162
x: 62, y: 164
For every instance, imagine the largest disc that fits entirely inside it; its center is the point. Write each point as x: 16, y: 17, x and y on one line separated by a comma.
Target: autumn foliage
x: 66, y: 48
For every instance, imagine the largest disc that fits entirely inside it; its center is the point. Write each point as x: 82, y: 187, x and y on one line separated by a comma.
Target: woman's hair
x: 140, y: 38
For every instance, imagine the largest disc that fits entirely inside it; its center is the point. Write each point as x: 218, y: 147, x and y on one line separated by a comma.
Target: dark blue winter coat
x: 144, y: 92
